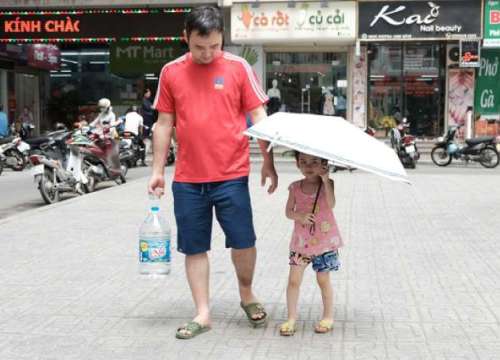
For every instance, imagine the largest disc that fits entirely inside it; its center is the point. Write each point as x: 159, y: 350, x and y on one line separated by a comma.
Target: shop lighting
x: 65, y: 71
x: 429, y: 76
x: 99, y: 62
x: 96, y: 11
x: 91, y: 40
x: 60, y: 75
x: 377, y: 76
x: 69, y: 61
x: 83, y: 53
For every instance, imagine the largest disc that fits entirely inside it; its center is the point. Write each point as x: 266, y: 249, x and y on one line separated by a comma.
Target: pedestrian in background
x: 315, y: 239
x: 147, y: 112
x: 205, y: 95
x: 4, y: 123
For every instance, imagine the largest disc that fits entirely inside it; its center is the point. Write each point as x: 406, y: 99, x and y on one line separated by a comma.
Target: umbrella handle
x: 312, y: 229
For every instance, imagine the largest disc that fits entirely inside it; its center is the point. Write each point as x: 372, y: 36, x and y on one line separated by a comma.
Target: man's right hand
x: 156, y: 185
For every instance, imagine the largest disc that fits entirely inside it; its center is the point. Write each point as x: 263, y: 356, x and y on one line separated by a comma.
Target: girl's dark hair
x: 204, y: 19
x: 297, y: 153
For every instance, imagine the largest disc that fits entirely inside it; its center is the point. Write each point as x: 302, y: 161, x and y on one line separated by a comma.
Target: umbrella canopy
x: 331, y: 138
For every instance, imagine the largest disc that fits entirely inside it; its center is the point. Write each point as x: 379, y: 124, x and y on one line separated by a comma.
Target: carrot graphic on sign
x: 246, y: 16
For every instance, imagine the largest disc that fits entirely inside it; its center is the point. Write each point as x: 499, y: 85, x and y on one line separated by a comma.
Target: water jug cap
x: 155, y: 208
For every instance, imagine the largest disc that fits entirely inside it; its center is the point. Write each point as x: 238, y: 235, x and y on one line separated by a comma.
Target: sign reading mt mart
x: 307, y: 21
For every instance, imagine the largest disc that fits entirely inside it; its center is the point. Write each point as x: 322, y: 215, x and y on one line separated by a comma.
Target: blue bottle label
x: 154, y: 251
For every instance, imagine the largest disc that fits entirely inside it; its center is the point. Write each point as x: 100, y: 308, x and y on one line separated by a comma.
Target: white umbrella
x: 332, y: 138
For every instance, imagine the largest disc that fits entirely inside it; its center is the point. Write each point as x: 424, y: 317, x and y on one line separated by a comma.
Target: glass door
x: 307, y: 82
x: 422, y: 88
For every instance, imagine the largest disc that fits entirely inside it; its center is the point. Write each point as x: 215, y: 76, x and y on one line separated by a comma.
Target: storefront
x: 413, y: 68
x: 95, y: 60
x: 487, y: 94
x: 307, y: 48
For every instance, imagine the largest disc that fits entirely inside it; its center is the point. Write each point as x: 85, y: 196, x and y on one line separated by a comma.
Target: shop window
x: 313, y: 82
x: 83, y: 79
x: 406, y: 81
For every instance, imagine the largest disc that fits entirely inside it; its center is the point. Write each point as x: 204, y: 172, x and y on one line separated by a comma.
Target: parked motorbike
x: 132, y: 149
x: 52, y: 145
x: 12, y: 149
x: 55, y: 176
x: 101, y: 159
x: 481, y: 149
x: 404, y: 145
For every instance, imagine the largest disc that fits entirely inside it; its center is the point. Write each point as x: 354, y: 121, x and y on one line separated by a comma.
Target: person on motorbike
x: 134, y: 123
x: 107, y: 120
x: 106, y: 117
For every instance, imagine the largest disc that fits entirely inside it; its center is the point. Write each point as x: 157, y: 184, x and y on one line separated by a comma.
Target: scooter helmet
x: 104, y: 104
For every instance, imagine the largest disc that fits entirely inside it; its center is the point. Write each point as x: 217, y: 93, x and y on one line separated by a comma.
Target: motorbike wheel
x: 20, y: 161
x: 1, y: 167
x: 46, y: 186
x: 91, y: 180
x: 124, y: 168
x: 488, y: 157
x: 440, y: 156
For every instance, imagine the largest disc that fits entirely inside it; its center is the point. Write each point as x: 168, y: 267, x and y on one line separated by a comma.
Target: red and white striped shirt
x: 210, y: 102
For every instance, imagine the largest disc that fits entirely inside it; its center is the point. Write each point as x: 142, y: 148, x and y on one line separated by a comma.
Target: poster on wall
x: 460, y: 94
x: 359, y: 76
x: 470, y: 53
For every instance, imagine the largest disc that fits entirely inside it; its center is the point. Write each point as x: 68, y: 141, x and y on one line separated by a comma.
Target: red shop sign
x: 44, y: 56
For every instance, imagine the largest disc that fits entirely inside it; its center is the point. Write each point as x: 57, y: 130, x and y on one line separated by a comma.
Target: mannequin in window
x: 274, y: 95
x: 328, y: 108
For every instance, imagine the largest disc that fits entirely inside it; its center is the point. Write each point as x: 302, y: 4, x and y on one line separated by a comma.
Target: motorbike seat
x: 480, y: 140
x: 37, y: 141
x: 5, y: 140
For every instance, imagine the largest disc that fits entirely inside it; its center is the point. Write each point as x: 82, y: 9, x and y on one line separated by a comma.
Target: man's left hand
x: 268, y: 171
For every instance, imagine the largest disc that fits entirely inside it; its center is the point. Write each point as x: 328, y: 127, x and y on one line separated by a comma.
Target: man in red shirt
x: 205, y: 95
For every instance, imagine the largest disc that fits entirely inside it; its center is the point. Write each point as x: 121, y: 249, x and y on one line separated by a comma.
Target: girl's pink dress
x: 325, y: 236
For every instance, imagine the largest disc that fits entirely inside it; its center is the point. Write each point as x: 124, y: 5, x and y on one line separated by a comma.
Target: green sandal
x: 190, y: 330
x: 253, y: 309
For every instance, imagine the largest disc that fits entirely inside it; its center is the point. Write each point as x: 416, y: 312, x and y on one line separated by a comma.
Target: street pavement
x: 419, y: 277
x: 19, y: 193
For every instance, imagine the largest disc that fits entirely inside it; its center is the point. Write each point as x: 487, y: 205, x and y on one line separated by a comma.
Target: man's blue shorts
x: 193, y: 208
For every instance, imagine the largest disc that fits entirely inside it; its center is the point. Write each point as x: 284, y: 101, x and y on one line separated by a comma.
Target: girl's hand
x: 306, y: 219
x: 324, y: 173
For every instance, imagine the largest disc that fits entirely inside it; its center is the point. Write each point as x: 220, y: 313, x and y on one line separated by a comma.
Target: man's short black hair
x: 204, y: 19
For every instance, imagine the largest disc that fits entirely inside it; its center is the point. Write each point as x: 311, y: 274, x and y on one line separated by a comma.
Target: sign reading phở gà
x: 398, y: 20
x: 325, y: 22
x: 132, y: 59
x: 487, y: 93
x: 492, y: 23
x: 78, y: 24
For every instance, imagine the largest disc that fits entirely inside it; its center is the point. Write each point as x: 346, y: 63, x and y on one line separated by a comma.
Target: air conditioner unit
x: 452, y: 55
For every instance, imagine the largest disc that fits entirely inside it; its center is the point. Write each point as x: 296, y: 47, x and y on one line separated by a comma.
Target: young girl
x: 315, y: 238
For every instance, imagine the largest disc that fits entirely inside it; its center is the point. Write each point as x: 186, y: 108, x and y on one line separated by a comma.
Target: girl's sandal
x: 323, y: 326
x: 288, y: 328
